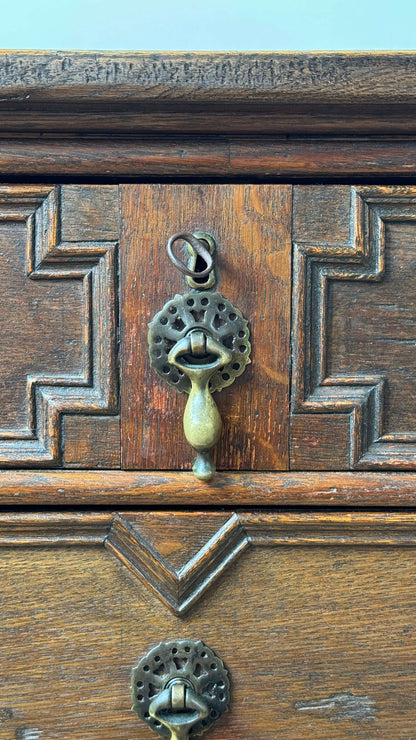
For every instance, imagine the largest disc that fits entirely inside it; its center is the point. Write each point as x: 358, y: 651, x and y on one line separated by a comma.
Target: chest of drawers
x: 295, y: 562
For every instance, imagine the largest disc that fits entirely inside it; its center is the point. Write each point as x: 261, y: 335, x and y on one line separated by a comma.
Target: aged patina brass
x: 195, y: 281
x: 200, y: 343
x: 180, y: 687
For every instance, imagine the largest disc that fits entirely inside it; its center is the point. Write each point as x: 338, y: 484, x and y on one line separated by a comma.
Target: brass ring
x: 200, y: 250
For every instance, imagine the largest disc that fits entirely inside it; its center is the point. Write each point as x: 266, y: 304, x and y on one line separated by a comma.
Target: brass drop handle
x: 202, y: 422
x: 199, y: 343
x: 180, y: 687
x: 178, y: 708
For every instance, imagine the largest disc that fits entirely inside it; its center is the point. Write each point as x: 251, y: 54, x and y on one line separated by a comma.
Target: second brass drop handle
x: 180, y: 688
x: 202, y: 422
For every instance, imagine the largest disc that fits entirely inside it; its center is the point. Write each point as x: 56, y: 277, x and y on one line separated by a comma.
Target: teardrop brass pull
x: 200, y: 343
x: 202, y: 422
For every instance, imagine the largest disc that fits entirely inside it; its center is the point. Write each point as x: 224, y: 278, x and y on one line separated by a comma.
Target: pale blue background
x: 208, y: 25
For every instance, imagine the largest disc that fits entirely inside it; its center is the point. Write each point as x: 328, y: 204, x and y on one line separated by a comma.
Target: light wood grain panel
x: 251, y: 224
x: 297, y: 628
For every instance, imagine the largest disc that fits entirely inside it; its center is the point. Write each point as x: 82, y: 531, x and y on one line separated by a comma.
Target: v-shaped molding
x: 178, y: 585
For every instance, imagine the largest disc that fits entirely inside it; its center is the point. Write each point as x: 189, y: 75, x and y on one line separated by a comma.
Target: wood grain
x: 353, y: 324
x: 91, y: 442
x: 179, y: 537
x: 142, y: 76
x: 260, y: 157
x: 262, y: 92
x: 154, y: 489
x: 58, y: 314
x: 251, y: 225
x: 295, y: 626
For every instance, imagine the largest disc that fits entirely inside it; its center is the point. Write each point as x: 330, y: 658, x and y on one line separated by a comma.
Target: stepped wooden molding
x: 190, y: 156
x: 360, y: 438
x: 69, y: 366
x: 179, y: 561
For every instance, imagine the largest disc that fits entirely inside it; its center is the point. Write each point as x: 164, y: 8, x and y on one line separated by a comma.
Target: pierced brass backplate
x: 200, y: 343
x: 210, y: 313
x: 180, y: 689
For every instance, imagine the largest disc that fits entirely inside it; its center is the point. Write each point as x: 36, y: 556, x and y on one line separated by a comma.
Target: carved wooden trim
x: 264, y: 157
x: 360, y: 396
x: 53, y: 529
x: 179, y: 590
x: 48, y: 258
x: 64, y: 76
x: 262, y: 92
x: 129, y: 488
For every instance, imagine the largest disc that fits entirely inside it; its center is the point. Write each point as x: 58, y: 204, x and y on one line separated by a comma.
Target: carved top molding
x: 230, y: 91
x: 247, y: 76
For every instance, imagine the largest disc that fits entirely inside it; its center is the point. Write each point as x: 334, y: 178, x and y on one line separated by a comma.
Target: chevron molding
x: 179, y: 587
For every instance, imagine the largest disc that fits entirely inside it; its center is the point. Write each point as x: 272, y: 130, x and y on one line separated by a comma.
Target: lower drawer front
x: 314, y: 618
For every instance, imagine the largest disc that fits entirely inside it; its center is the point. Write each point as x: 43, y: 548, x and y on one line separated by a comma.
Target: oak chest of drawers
x: 294, y: 563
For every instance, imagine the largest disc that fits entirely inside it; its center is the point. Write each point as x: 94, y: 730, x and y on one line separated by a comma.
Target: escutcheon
x: 180, y: 689
x: 199, y: 343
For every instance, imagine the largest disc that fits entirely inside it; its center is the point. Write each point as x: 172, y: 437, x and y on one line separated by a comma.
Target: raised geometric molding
x: 86, y: 382
x: 359, y: 396
x: 178, y: 563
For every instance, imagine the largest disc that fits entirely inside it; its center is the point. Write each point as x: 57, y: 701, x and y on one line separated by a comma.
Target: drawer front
x: 76, y: 278
x: 252, y: 227
x: 313, y: 615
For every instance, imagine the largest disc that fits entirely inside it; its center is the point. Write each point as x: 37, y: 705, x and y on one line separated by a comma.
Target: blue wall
x: 208, y: 25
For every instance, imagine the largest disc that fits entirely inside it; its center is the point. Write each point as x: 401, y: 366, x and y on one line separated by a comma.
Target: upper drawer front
x: 62, y: 303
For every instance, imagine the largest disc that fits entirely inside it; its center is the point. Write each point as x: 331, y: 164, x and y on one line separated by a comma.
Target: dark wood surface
x: 244, y: 157
x: 58, y: 354
x: 200, y: 76
x: 239, y: 92
x: 91, y: 442
x: 352, y: 325
x: 251, y: 225
x: 311, y: 609
x: 353, y: 328
x: 293, y: 618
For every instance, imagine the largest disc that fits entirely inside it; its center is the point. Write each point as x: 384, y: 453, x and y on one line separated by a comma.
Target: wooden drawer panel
x: 58, y: 252
x: 354, y: 328
x: 351, y: 374
x: 313, y: 615
x: 252, y: 225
